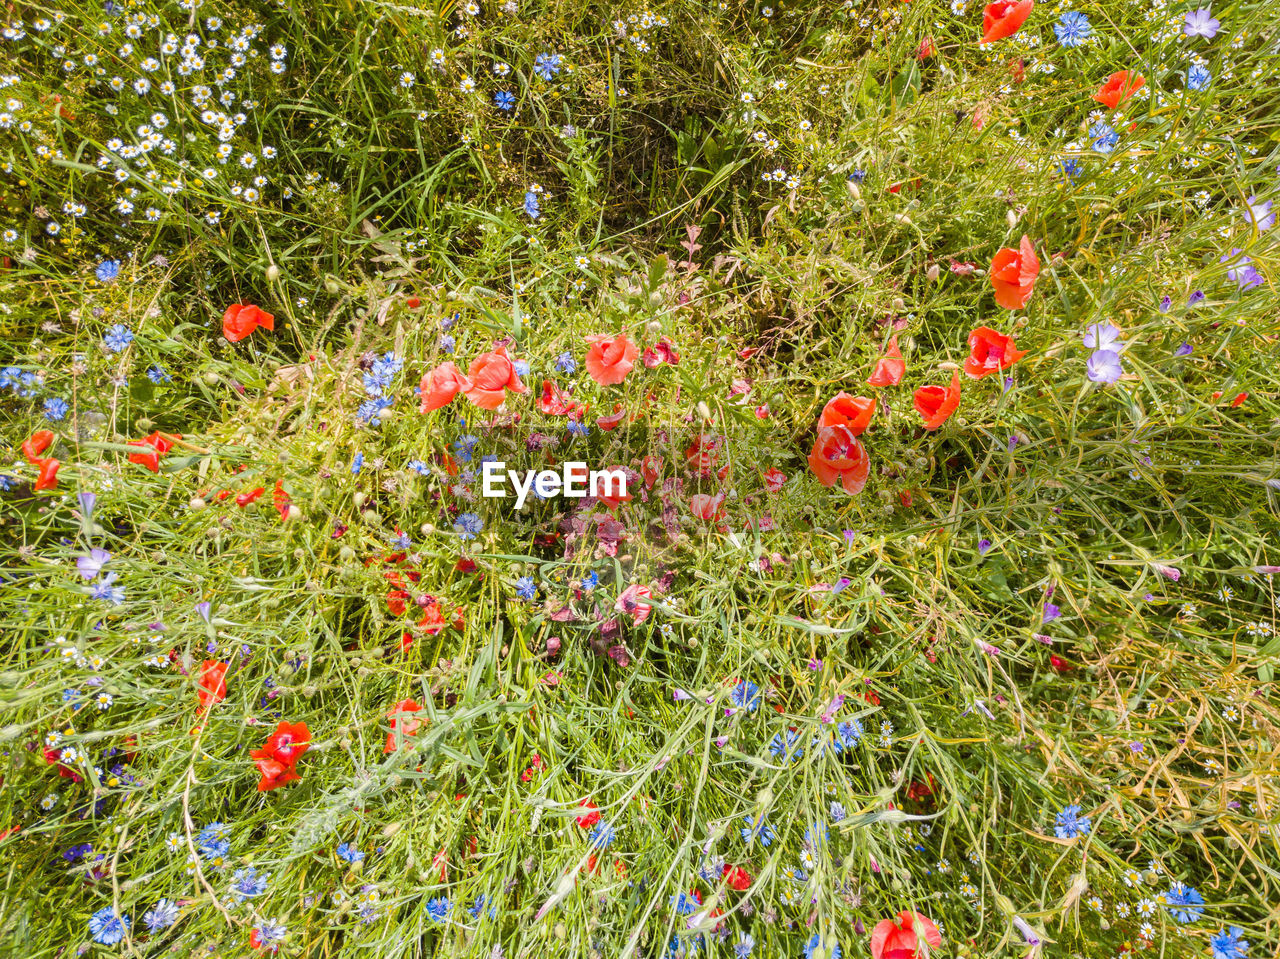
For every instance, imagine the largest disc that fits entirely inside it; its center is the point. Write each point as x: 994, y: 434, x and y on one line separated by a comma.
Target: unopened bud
x: 1011, y: 218
x: 273, y: 273
x: 933, y: 273
x: 704, y: 410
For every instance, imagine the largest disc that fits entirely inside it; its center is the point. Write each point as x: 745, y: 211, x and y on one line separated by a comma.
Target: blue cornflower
x: 270, y: 933
x: 1198, y: 78
x: 602, y: 834
x: 745, y: 695
x: 357, y: 463
x: 526, y: 588
x: 349, y: 852
x: 1073, y: 29
x: 104, y: 589
x: 789, y: 746
x: 857, y: 176
x: 837, y: 812
x: 848, y: 733
x: 107, y: 927
x: 577, y: 428
x: 590, y: 581
x: 55, y: 408
x: 1071, y: 168
x: 447, y: 343
x: 107, y: 271
x: 118, y: 338
x: 547, y: 65
x: 565, y: 362
x: 521, y: 367
x: 463, y: 447
x: 400, y: 541
x: 468, y: 526
x: 816, y: 835
x: 1185, y: 903
x: 830, y: 948
x: 419, y: 467
x: 477, y: 907
x: 376, y: 381
x: 1104, y: 137
x: 247, y: 883
x: 157, y: 374
x: 161, y: 916
x: 439, y: 908
x: 742, y: 948
x: 212, y: 840
x: 1227, y: 944
x: 1069, y: 823
x: 531, y: 205
x: 756, y: 830
x: 370, y: 410
x: 684, y: 904
x: 504, y: 100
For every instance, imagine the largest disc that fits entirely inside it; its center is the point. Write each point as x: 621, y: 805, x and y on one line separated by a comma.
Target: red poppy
x: 854, y: 412
x: 274, y: 773
x: 1120, y: 86
x: 433, y: 622
x: 610, y: 422
x: 990, y: 352
x: 906, y: 938
x: 737, y: 878
x: 774, y: 478
x: 650, y: 469
x: 47, y: 478
x: 402, y: 727
x: 553, y: 402
x: 890, y: 367
x: 244, y: 499
x: 54, y: 758
x: 838, y: 455
x: 706, y: 507
x: 610, y: 358
x: 1059, y: 664
x: 937, y: 403
x: 661, y: 352
x: 926, y: 49
x: 591, y: 816
x: 241, y: 319
x: 396, y: 601
x: 288, y: 742
x: 160, y: 444
x: 35, y: 444
x: 439, y: 386
x: 491, y: 375
x: 1013, y: 274
x: 1004, y: 18
x: 213, y: 683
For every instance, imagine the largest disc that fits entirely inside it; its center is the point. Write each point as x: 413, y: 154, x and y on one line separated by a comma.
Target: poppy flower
x: 706, y: 507
x: 890, y: 367
x: 244, y: 499
x: 632, y: 603
x: 1013, y: 274
x: 774, y: 478
x: 610, y: 422
x: 1120, y: 86
x: 35, y: 444
x: 241, y: 319
x: 854, y: 412
x: 402, y: 727
x: 553, y: 402
x: 937, y: 403
x: 661, y: 352
x: 213, y: 683
x: 591, y: 816
x: 926, y: 49
x: 439, y: 386
x: 990, y: 352
x: 838, y: 455
x: 160, y: 444
x: 433, y: 622
x: 737, y: 877
x: 288, y: 742
x: 650, y: 469
x: 47, y: 478
x: 1004, y: 18
x: 274, y: 773
x: 610, y: 358
x: 905, y: 938
x: 491, y: 375
x: 1059, y: 664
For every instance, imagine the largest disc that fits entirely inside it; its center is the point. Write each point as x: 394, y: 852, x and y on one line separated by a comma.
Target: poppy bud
x: 1011, y: 218
x: 211, y: 379
x: 704, y: 410
x: 853, y: 189
x: 359, y: 499
x: 898, y: 304
x: 273, y: 273
x: 196, y: 503
x: 332, y: 286
x: 654, y: 328
x: 932, y: 273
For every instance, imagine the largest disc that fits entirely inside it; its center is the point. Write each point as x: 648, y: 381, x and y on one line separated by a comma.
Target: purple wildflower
x: 1200, y: 23
x: 90, y: 566
x: 1104, y: 367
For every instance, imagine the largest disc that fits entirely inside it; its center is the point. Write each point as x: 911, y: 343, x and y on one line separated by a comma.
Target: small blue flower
x: 521, y: 367
x: 742, y: 948
x: 468, y: 526
x: 577, y: 428
x: 547, y: 65
x: 848, y: 733
x: 1104, y: 137
x: 1198, y: 78
x: 756, y: 830
x: 504, y: 100
x: 55, y: 408
x: 370, y: 410
x: 1185, y: 903
x: 161, y: 916
x: 107, y: 271
x: 247, y: 883
x: 602, y: 834
x: 464, y: 447
x: 831, y: 948
x: 400, y: 541
x: 837, y: 812
x: 1069, y: 823
x: 439, y: 908
x: 590, y: 581
x: 157, y: 374
x: 531, y: 206
x: 1227, y: 944
x: 357, y: 463
x: 447, y: 343
x: 107, y: 927
x: 419, y: 467
x: 684, y: 904
x: 350, y: 852
x: 565, y: 362
x: 105, y: 590
x: 1071, y: 169
x: 526, y: 588
x: 118, y: 338
x: 745, y: 695
x: 1073, y: 29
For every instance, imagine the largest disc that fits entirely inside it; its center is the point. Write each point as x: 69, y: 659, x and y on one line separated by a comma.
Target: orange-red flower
x: 241, y: 319
x: 491, y: 375
x: 1004, y: 18
x: 890, y: 367
x: 905, y: 938
x: 937, y: 403
x: 706, y: 507
x: 737, y: 877
x: 35, y: 444
x: 47, y: 478
x: 855, y: 412
x: 610, y: 358
x: 990, y: 352
x: 1013, y: 274
x: 160, y: 444
x: 1120, y: 86
x: 403, y: 727
x: 838, y: 455
x: 213, y: 683
x: 274, y: 773
x: 288, y: 742
x: 441, y: 385
x: 591, y: 816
